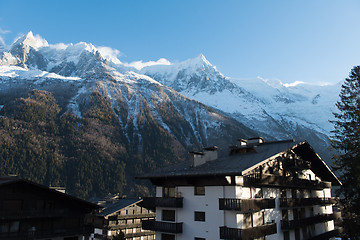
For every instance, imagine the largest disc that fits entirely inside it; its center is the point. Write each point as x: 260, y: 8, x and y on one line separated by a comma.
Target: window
x: 295, y: 193
x: 168, y: 215
x: 312, y: 211
x: 165, y: 236
x: 200, y: 216
x: 247, y: 220
x: 259, y: 218
x: 285, y: 215
x: 283, y: 193
x: 9, y: 227
x: 199, y: 190
x: 258, y: 193
x: 169, y: 192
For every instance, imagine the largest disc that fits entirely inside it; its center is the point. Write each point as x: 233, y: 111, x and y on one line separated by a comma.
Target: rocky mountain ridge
x: 129, y: 122
x: 158, y: 112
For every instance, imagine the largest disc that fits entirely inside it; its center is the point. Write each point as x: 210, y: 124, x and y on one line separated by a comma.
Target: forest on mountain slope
x: 90, y: 155
x: 97, y: 154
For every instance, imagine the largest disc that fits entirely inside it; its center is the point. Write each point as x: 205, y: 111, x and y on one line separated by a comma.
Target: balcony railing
x: 281, y: 181
x: 139, y: 234
x: 152, y: 202
x: 124, y: 226
x: 248, y: 233
x: 292, y: 224
x: 299, y: 202
x: 328, y: 235
x: 246, y: 205
x: 132, y: 216
x: 162, y: 226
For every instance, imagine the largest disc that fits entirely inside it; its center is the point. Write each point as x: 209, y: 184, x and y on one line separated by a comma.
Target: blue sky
x: 310, y: 41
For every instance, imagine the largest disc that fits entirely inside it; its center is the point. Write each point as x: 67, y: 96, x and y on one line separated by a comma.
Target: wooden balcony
x: 271, y: 180
x: 292, y: 224
x: 248, y: 233
x: 152, y: 202
x: 139, y: 234
x: 167, y: 227
x: 302, y: 202
x: 132, y: 216
x: 246, y: 205
x: 124, y: 226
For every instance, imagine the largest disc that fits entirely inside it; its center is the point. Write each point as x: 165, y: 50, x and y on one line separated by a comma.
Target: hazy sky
x: 307, y: 40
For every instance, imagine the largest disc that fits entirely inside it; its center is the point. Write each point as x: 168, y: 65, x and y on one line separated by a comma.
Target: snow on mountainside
x: 299, y: 111
x: 78, y: 70
x: 87, y: 110
x: 265, y: 105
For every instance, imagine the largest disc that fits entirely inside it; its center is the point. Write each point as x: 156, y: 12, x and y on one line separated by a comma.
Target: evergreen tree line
x: 346, y: 140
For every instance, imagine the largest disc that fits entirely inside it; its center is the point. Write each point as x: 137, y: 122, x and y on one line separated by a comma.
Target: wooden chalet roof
x: 35, y: 187
x: 238, y: 164
x: 113, y: 207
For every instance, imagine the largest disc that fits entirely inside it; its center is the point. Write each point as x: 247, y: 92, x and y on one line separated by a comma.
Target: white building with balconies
x: 262, y: 190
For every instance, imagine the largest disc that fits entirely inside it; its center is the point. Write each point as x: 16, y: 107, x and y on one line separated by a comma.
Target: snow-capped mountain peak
x: 30, y: 40
x: 197, y: 61
x: 190, y: 76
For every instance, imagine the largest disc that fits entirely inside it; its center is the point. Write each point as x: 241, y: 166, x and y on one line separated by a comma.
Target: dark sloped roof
x: 112, y: 207
x: 7, y: 180
x: 240, y: 163
x: 231, y: 165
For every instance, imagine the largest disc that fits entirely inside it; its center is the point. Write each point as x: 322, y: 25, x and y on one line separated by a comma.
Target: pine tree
x: 346, y: 140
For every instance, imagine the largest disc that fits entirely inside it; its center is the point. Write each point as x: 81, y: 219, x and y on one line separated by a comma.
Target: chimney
x: 242, y: 142
x: 250, y: 142
x: 246, y: 146
x: 255, y: 141
x: 199, y: 158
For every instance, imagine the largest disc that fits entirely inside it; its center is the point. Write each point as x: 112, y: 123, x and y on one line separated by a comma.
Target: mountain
x: 71, y: 117
x: 300, y: 111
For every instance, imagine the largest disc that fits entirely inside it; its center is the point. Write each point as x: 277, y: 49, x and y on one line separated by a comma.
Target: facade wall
x: 215, y: 218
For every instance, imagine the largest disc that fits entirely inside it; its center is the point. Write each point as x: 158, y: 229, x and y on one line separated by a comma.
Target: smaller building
x: 125, y: 216
x: 32, y: 211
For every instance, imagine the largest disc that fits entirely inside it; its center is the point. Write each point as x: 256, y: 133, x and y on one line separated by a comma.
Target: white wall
x: 209, y: 203
x: 215, y: 218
